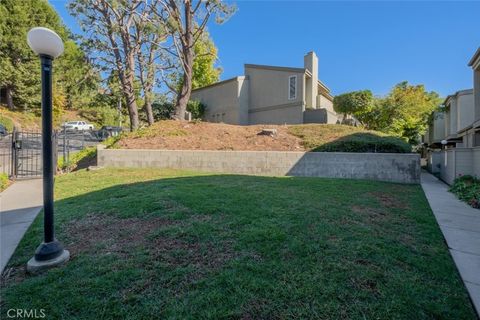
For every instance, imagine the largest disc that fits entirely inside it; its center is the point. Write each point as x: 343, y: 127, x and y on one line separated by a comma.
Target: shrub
x: 77, y: 159
x: 7, y: 123
x: 196, y: 108
x: 366, y: 142
x: 103, y: 116
x: 3, y: 181
x: 163, y: 110
x: 467, y: 188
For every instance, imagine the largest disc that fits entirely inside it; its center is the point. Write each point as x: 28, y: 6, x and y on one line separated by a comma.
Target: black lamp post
x: 48, y: 45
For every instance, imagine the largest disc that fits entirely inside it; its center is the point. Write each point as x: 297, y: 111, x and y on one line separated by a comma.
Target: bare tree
x: 110, y: 35
x: 153, y: 58
x: 186, y: 20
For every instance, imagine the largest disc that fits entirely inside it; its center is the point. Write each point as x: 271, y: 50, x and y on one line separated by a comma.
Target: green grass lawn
x: 165, y: 244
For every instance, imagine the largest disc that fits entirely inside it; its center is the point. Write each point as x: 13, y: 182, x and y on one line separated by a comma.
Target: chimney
x: 310, y: 62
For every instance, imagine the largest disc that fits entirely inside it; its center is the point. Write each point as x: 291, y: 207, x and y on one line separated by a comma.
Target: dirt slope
x: 175, y: 135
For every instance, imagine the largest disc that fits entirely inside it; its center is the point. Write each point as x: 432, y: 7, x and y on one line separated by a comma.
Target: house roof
x: 277, y: 68
x: 458, y: 93
x: 475, y: 59
x: 323, y: 89
x: 222, y: 82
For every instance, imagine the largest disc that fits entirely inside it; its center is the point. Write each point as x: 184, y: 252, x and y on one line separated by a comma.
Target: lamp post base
x: 48, y: 255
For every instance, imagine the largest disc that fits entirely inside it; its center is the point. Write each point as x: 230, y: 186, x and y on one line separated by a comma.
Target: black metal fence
x: 6, y: 154
x: 70, y: 142
x: 21, y: 151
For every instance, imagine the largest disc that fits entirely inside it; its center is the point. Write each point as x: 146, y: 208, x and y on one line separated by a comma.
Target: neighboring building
x: 458, y: 127
x: 436, y: 130
x: 270, y: 95
x: 459, y: 115
x: 474, y: 131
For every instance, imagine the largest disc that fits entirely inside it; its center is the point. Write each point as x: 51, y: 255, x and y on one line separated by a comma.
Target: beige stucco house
x: 453, y: 137
x: 459, y: 113
x: 270, y: 95
x: 474, y: 130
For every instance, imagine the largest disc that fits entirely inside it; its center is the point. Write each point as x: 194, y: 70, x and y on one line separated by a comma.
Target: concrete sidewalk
x: 19, y: 206
x: 460, y: 225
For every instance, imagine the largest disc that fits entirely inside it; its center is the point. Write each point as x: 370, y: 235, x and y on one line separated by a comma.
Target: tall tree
x: 204, y: 70
x: 77, y: 77
x: 152, y: 57
x: 109, y: 27
x: 356, y: 103
x: 19, y: 67
x: 186, y: 21
x: 407, y: 108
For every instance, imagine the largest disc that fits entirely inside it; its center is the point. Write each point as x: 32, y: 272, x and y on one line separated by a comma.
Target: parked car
x: 77, y: 126
x: 109, y: 131
x: 3, y: 130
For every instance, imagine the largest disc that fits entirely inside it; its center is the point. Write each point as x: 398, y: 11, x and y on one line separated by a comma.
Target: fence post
x: 64, y: 145
x: 14, y: 156
x: 68, y: 150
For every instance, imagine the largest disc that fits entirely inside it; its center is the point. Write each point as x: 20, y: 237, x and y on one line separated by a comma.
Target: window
x: 292, y: 87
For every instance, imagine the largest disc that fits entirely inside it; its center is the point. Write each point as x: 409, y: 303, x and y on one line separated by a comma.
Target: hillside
x: 30, y: 121
x: 174, y: 135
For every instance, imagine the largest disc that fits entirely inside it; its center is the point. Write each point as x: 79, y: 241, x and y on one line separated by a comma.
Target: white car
x: 77, y: 126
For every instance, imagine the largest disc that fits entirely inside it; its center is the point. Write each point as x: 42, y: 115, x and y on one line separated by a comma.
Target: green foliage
x: 343, y: 138
x: 204, y: 70
x: 356, y: 103
x: 84, y: 156
x: 206, y: 56
x: 78, y: 79
x: 111, y: 142
x: 19, y: 65
x: 366, y: 142
x: 404, y: 112
x: 3, y: 181
x: 102, y: 116
x: 6, y: 122
x: 467, y: 188
x: 163, y: 110
x: 196, y: 108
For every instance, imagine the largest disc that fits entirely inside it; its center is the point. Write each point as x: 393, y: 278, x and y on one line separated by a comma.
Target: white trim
x: 296, y: 87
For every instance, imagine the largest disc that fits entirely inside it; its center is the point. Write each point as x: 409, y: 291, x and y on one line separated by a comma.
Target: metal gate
x: 21, y: 154
x: 27, y: 154
x: 21, y: 151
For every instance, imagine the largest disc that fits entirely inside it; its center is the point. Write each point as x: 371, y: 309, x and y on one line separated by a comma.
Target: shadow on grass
x: 229, y: 246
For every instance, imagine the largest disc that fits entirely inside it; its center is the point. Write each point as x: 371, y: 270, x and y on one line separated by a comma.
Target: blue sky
x: 361, y: 45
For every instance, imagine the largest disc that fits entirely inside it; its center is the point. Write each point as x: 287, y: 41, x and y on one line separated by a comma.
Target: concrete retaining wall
x: 402, y: 168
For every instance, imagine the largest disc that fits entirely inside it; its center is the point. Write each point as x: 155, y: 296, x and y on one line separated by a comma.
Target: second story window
x: 292, y: 87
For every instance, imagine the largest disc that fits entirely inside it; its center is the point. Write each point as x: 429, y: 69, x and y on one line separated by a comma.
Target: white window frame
x: 296, y: 88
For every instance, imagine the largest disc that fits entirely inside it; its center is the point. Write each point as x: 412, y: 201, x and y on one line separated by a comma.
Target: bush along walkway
x: 19, y: 205
x: 460, y: 225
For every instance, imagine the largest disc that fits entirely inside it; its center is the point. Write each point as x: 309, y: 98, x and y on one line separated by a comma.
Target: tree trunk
x: 186, y: 90
x: 9, y: 97
x: 130, y: 92
x: 148, y: 110
x: 132, y: 111
x: 188, y: 57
